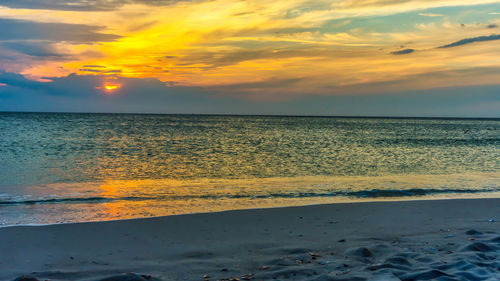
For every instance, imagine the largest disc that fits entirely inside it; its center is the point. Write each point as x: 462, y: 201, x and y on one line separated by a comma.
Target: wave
x: 437, y: 141
x: 373, y: 193
x: 70, y: 200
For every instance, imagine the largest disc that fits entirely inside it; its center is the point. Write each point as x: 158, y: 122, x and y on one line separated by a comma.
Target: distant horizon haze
x: 263, y: 115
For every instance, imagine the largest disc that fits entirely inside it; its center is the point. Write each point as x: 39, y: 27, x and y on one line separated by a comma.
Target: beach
x: 407, y: 240
x: 229, y: 140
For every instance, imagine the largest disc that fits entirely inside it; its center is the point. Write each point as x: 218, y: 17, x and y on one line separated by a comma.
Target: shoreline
x: 340, y: 200
x: 312, y: 242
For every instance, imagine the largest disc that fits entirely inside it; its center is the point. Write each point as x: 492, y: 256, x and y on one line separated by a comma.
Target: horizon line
x: 262, y: 115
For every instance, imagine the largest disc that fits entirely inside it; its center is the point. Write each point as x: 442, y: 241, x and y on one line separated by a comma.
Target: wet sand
x: 408, y: 240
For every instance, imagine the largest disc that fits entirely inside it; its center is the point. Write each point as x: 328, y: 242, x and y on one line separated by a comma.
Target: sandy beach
x: 412, y: 240
x: 230, y: 140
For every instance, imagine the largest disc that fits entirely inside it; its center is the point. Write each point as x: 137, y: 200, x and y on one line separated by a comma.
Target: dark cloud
x: 18, y: 30
x: 403, y: 52
x: 274, y: 89
x: 94, y: 66
x: 80, y: 5
x: 234, y: 57
x: 77, y: 93
x: 17, y: 81
x: 88, y: 86
x: 23, y: 42
x: 219, y: 33
x: 472, y: 40
x: 262, y: 87
x: 101, y: 70
x: 242, y: 14
x: 435, y: 79
x: 493, y: 25
x: 81, y: 93
x: 90, y: 70
x: 142, y: 26
x: 35, y: 49
x: 255, y: 52
x: 473, y: 101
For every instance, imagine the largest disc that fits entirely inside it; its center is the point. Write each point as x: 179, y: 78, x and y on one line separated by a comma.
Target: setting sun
x: 110, y: 88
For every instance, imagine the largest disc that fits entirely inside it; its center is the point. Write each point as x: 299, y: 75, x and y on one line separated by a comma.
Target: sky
x: 432, y: 58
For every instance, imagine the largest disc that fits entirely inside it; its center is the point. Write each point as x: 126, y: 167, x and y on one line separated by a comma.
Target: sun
x: 110, y: 87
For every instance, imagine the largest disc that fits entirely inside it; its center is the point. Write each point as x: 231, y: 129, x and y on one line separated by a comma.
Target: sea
x: 64, y: 168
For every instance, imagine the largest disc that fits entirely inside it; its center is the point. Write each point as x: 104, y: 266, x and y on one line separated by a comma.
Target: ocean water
x: 85, y: 167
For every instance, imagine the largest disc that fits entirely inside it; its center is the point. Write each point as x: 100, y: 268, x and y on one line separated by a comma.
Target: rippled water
x: 79, y: 167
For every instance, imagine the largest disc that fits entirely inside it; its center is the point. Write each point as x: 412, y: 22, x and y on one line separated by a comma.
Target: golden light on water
x: 159, y: 197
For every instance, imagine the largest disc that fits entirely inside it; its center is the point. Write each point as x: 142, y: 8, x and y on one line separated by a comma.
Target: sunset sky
x: 340, y: 57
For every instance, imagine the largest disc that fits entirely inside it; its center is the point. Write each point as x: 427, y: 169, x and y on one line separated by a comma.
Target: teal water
x: 79, y: 167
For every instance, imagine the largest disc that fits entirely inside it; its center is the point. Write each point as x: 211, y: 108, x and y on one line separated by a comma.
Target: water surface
x: 81, y: 167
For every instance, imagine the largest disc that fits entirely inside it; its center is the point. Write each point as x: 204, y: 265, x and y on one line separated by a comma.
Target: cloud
x: 403, y: 52
x: 27, y: 44
x: 472, y: 40
x: 13, y: 29
x: 261, y: 87
x: 369, y: 3
x: 88, y: 86
x: 493, y: 25
x: 81, y: 93
x: 99, y: 70
x: 34, y: 49
x: 80, y: 5
x: 430, y: 15
x: 279, y: 89
x: 78, y: 93
x: 89, y: 70
x: 94, y: 66
x: 219, y: 59
x: 296, y: 43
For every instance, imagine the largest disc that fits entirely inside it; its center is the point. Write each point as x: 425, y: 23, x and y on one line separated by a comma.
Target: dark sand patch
x: 420, y: 240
